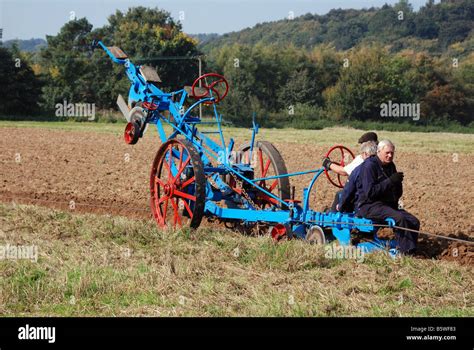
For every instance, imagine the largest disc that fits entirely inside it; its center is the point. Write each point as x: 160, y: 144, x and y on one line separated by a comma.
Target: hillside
x: 30, y: 45
x: 434, y: 25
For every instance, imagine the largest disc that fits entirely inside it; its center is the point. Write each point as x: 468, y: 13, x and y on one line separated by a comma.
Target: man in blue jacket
x: 348, y: 196
x: 379, y: 187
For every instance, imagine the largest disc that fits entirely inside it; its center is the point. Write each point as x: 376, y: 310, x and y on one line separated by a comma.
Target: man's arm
x: 398, y: 187
x: 370, y: 188
x: 349, y: 168
x: 338, y: 169
x: 329, y: 165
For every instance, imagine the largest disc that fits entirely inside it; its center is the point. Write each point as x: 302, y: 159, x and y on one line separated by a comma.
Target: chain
x: 240, y: 184
x: 212, y: 182
x: 244, y: 193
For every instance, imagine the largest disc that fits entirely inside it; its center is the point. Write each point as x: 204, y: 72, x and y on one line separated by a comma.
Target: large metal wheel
x: 267, y: 161
x: 177, y: 185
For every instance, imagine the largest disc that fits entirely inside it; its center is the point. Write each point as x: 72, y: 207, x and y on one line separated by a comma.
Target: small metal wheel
x: 280, y: 232
x: 177, y: 185
x: 132, y: 132
x: 315, y: 235
x: 134, y: 129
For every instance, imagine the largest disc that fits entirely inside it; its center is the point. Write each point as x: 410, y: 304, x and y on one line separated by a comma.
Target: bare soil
x: 100, y: 173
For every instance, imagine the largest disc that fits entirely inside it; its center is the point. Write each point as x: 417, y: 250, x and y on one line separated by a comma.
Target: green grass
x: 410, y: 126
x: 418, y: 142
x: 65, y: 125
x: 113, y: 266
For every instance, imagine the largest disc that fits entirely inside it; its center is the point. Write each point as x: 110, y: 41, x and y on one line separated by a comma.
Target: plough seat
x: 117, y: 52
x: 150, y: 74
x: 203, y: 92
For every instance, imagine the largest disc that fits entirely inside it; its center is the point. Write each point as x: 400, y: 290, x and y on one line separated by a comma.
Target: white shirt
x: 349, y: 168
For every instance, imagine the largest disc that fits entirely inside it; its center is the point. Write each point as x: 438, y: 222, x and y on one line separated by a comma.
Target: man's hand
x: 396, y: 177
x: 327, y: 163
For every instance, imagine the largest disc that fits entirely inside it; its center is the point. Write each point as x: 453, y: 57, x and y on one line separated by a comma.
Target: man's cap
x: 368, y: 136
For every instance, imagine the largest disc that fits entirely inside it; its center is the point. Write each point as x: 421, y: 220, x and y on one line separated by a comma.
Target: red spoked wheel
x: 132, y: 132
x: 344, y: 160
x: 215, y: 85
x: 266, y: 162
x: 177, y: 185
x: 134, y: 129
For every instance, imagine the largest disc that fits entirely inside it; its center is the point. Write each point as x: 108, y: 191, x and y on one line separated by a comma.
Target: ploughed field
x: 85, y: 170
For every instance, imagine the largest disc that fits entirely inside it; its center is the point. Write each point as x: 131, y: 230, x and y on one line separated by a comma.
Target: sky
x: 26, y: 19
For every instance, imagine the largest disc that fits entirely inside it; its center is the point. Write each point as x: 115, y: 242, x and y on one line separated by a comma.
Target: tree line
x: 284, y: 84
x: 291, y: 86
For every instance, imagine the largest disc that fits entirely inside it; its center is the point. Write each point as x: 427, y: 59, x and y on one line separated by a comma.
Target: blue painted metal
x: 184, y: 124
x: 287, y: 175
x: 255, y: 128
x: 307, y: 192
x: 275, y: 217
